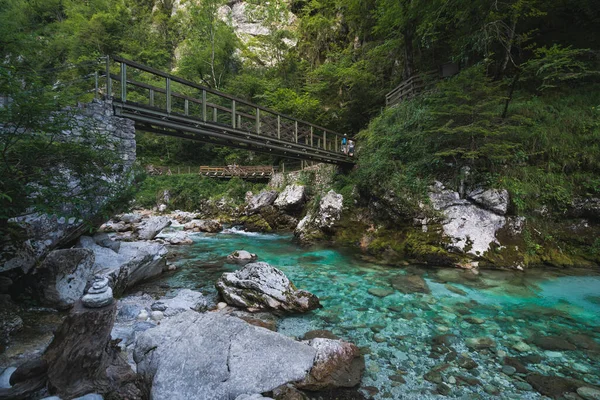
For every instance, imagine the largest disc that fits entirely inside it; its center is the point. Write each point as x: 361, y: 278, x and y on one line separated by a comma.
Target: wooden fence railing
x: 228, y: 171
x: 410, y: 87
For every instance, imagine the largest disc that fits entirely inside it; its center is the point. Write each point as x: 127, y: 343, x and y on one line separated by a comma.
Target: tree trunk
x: 409, y: 54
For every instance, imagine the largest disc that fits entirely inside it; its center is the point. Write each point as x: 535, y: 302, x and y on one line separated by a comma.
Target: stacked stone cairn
x: 99, y: 294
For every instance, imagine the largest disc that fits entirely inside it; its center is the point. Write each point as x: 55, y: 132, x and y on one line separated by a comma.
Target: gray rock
x: 5, y: 377
x: 179, y: 238
x: 261, y: 200
x: 10, y: 321
x: 90, y: 396
x: 158, y: 306
x: 261, y: 286
x: 589, y: 393
x: 337, y: 364
x: 508, y: 370
x: 495, y: 200
x: 134, y: 262
x: 323, y: 221
x: 185, y: 300
x: 183, y: 217
x: 199, y: 225
x: 237, y: 358
x: 252, y: 397
x: 156, y: 315
x: 102, y: 239
x: 292, y: 198
x: 99, y: 295
x: 152, y: 227
x: 470, y: 228
x: 63, y: 275
x: 132, y: 218
x: 242, y: 257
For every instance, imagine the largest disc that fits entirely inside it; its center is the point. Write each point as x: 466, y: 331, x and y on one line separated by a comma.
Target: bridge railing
x: 130, y: 82
x: 410, y: 87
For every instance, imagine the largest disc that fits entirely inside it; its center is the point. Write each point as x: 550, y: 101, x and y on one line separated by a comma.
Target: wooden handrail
x: 186, y: 82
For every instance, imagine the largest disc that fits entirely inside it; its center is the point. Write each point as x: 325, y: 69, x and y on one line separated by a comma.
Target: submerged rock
x: 410, y: 284
x: 242, y: 257
x: 236, y: 358
x: 260, y: 286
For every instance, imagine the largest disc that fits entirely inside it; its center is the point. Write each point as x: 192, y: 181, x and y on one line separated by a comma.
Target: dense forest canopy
x: 333, y: 61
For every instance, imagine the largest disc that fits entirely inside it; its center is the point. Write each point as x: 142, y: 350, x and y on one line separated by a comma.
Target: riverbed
x: 452, y: 340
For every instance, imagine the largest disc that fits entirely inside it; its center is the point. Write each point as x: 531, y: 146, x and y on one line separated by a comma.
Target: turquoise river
x: 473, y: 336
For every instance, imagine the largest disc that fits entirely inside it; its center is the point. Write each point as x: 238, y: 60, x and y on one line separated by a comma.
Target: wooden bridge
x: 250, y: 172
x: 165, y: 104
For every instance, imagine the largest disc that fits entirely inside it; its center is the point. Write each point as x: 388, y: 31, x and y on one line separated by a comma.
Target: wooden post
x: 311, y: 136
x: 325, y: 140
x: 151, y: 97
x: 108, y: 80
x: 296, y: 131
x: 233, y: 113
x: 215, y: 116
x: 257, y: 121
x: 337, y: 139
x: 123, y: 82
x: 282, y: 168
x: 204, y: 105
x: 239, y: 121
x: 186, y: 106
x: 278, y: 127
x: 168, y: 95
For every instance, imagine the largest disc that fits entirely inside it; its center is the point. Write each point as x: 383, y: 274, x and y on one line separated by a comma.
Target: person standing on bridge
x: 351, y: 148
x: 345, y: 144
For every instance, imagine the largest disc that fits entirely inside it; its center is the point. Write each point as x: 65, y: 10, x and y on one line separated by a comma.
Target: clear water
x: 395, y: 331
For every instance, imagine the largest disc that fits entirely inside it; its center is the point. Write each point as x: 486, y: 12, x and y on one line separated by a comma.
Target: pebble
x: 221, y: 305
x: 523, y: 386
x: 143, y: 315
x: 553, y: 354
x: 501, y: 353
x: 581, y: 368
x: 490, y: 389
x: 158, y: 306
x: 474, y: 320
x: 452, y: 380
x: 521, y: 347
x: 156, y: 315
x: 442, y: 328
x: 509, y: 370
x: 589, y: 393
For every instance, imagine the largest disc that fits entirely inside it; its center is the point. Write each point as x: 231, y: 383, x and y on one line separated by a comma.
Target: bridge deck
x: 162, y: 103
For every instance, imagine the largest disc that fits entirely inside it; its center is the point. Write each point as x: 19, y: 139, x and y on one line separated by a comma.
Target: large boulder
x: 212, y: 356
x: 323, y: 221
x: 259, y: 286
x: 261, y: 200
x: 62, y: 277
x: 179, y: 238
x: 291, y: 198
x: 152, y: 227
x: 134, y: 262
x: 200, y: 225
x: 337, y: 364
x: 495, y: 200
x: 471, y: 229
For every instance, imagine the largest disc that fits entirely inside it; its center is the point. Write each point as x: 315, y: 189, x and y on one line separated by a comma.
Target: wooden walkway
x: 165, y: 104
x: 229, y: 171
x: 410, y: 88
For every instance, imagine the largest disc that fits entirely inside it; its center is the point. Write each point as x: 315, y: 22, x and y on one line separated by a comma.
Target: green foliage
x: 189, y: 191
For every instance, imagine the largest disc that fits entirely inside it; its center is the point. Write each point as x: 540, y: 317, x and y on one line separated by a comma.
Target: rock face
x: 44, y: 233
x: 63, y: 275
x: 152, y: 227
x: 10, y: 321
x: 292, y: 198
x: 81, y: 358
x: 241, y: 257
x: 134, y: 262
x: 261, y: 200
x: 236, y: 358
x: 260, y: 286
x: 199, y: 225
x: 329, y: 212
x: 494, y: 200
x: 337, y: 364
x: 470, y: 228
